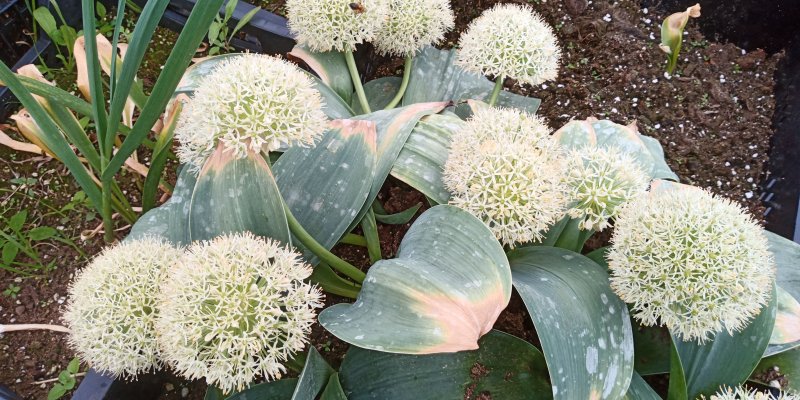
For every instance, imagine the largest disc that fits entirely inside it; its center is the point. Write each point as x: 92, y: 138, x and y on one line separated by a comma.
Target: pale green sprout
x: 234, y: 309
x: 672, y: 34
x: 510, y: 41
x: 253, y: 102
x: 505, y: 169
x: 745, y: 393
x: 696, y: 263
x: 112, y: 307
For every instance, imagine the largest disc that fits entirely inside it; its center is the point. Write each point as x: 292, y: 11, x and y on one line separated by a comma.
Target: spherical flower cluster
x: 414, y: 24
x: 234, y: 309
x: 505, y: 169
x: 743, y: 393
x: 691, y: 261
x: 112, y: 307
x: 335, y: 24
x: 513, y: 41
x: 601, y: 180
x: 250, y: 102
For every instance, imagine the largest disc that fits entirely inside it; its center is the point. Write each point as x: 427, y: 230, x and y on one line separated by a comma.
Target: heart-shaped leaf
x: 327, y: 186
x: 434, y: 77
x: 584, y: 328
x: 236, y: 195
x: 503, y: 367
x: 728, y: 359
x: 444, y: 290
x: 421, y: 162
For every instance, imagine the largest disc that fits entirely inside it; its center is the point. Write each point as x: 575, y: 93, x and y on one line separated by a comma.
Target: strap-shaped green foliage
x: 584, y: 328
x: 444, y: 290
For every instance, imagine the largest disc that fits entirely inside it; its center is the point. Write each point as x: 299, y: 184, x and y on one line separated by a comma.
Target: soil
x: 713, y: 118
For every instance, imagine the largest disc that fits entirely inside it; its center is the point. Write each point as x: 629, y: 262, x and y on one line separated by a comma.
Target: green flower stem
x: 498, y: 86
x: 370, y: 228
x: 403, y: 85
x: 572, y: 237
x: 353, y: 239
x: 351, y: 65
x: 320, y: 251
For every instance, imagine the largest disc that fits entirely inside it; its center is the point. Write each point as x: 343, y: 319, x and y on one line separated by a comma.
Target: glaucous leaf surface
x: 421, y: 162
x: 434, y: 77
x: 334, y: 390
x: 170, y: 220
x: 787, y: 320
x: 444, y: 290
x: 728, y: 359
x: 503, y: 367
x: 276, y: 390
x: 603, y: 133
x: 236, y: 195
x: 584, y: 328
x: 787, y: 260
x: 330, y: 67
x: 327, y: 185
x: 379, y: 92
x: 314, y: 376
x: 640, y: 390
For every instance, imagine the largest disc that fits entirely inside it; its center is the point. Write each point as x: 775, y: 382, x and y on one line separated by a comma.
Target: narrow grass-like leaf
x: 503, y: 367
x: 161, y: 151
x: 728, y: 359
x: 237, y: 195
x: 434, y: 77
x: 52, y: 137
x: 403, y: 217
x: 314, y: 376
x: 192, y: 34
x: 421, y: 162
x: 326, y: 186
x: 584, y: 328
x: 331, y: 68
x: 370, y: 228
x: 88, y: 58
x: 444, y: 290
x: 55, y: 94
x: 640, y: 390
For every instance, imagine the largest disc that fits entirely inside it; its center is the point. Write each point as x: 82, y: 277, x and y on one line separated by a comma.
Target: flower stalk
x: 351, y: 66
x: 498, y: 86
x: 403, y: 85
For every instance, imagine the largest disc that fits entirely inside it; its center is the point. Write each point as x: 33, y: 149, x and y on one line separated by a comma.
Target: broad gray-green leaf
x: 787, y: 259
x: 728, y: 359
x: 787, y: 320
x: 326, y: 186
x: 314, y: 376
x: 170, y: 220
x: 640, y: 390
x: 333, y: 390
x: 434, y: 77
x: 277, y: 390
x: 421, y: 162
x: 787, y: 364
x: 604, y: 133
x: 236, y: 195
x: 445, y: 289
x: 334, y: 106
x: 584, y: 328
x: 393, y: 127
x: 651, y: 350
x: 331, y: 68
x: 503, y: 367
x: 380, y: 92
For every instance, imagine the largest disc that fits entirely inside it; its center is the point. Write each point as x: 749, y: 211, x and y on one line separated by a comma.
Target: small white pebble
x: 748, y: 195
x: 607, y: 18
x: 645, y: 11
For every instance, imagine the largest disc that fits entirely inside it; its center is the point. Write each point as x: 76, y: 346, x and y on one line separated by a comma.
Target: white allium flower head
x: 335, y: 25
x: 744, y: 393
x: 251, y: 102
x: 414, y: 24
x: 691, y: 261
x: 510, y: 40
x: 505, y: 169
x: 234, y: 310
x: 112, y: 307
x: 601, y: 180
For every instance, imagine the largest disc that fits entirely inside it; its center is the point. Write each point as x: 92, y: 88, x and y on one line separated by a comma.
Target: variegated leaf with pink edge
x: 445, y: 290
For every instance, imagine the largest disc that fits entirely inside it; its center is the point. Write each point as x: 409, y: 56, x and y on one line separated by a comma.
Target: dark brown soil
x: 713, y: 119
